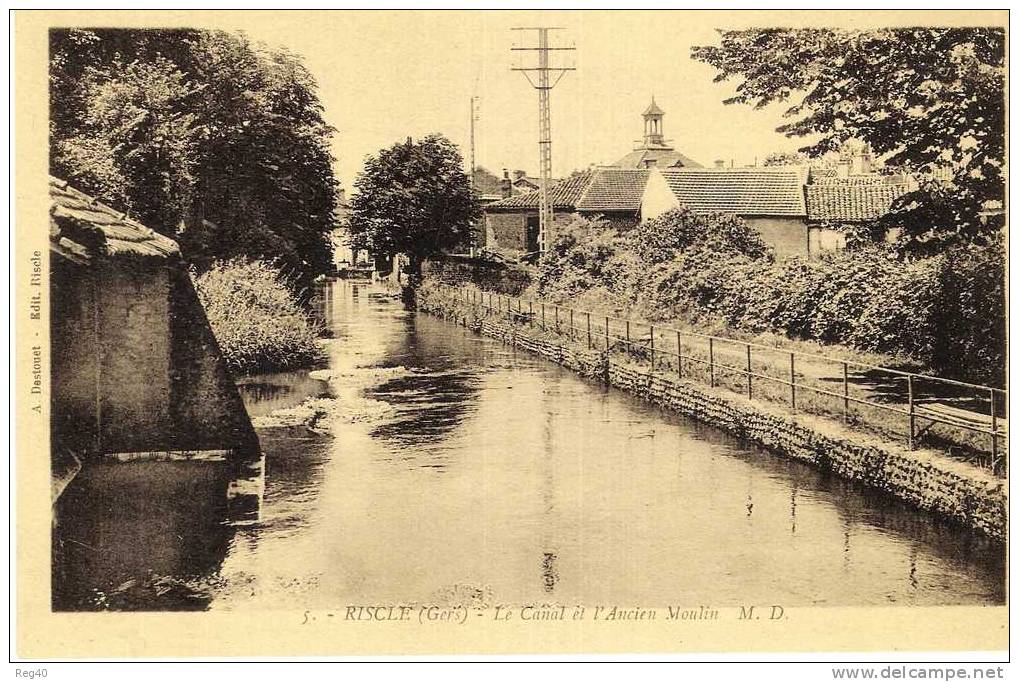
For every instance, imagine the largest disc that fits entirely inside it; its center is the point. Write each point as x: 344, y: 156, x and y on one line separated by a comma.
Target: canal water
x: 441, y: 466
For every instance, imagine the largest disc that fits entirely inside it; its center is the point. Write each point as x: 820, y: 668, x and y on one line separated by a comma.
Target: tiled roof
x: 563, y: 195
x: 82, y: 227
x: 850, y: 202
x: 765, y: 191
x: 597, y: 190
x: 614, y: 189
x: 663, y: 158
x: 851, y: 180
x: 653, y: 109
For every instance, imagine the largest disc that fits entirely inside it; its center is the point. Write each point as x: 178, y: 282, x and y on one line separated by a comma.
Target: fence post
x: 571, y: 324
x: 606, y: 334
x: 912, y: 411
x: 652, y: 348
x: 530, y: 314
x: 845, y: 392
x: 628, y: 347
x: 588, y: 331
x: 711, y: 359
x: 543, y: 316
x: 679, y: 352
x: 792, y: 379
x: 557, y: 331
x: 994, y: 435
x: 750, y: 378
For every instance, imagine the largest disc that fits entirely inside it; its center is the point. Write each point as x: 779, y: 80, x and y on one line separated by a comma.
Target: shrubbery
x: 256, y: 318
x: 946, y: 311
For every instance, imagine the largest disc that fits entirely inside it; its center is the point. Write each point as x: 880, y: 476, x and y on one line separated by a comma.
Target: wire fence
x: 966, y: 420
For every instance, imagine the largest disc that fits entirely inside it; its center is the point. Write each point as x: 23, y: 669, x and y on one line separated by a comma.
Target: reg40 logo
x: 31, y: 674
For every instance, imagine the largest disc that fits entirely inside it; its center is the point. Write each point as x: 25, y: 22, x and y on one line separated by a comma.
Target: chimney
x: 505, y: 187
x: 719, y: 163
x: 861, y: 163
x: 843, y: 169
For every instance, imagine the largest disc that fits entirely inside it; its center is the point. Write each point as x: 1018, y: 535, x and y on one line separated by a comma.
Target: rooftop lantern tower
x: 653, y: 135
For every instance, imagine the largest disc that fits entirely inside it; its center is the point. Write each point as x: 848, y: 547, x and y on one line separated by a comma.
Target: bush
x: 663, y: 238
x: 970, y: 340
x: 585, y: 255
x: 946, y: 312
x: 256, y: 318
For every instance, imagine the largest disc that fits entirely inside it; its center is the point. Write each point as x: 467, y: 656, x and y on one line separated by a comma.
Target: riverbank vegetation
x: 713, y: 274
x: 204, y: 136
x: 257, y: 320
x: 945, y: 312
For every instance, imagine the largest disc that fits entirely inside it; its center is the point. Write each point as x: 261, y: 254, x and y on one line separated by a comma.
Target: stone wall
x: 205, y: 404
x: 787, y: 236
x: 74, y: 361
x: 136, y: 367
x: 134, y: 323
x: 924, y: 479
x: 508, y: 231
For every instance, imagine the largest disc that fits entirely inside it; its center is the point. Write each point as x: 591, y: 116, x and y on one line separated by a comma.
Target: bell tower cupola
x: 653, y: 134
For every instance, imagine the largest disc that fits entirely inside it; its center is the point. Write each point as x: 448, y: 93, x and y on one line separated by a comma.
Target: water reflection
x: 264, y: 394
x: 140, y: 536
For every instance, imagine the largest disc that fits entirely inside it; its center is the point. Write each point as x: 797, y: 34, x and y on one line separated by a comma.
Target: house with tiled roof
x: 136, y: 372
x: 831, y: 205
x: 770, y: 199
x: 613, y: 194
x: 797, y: 210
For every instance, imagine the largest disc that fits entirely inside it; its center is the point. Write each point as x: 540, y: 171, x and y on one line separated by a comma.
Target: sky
x: 384, y: 76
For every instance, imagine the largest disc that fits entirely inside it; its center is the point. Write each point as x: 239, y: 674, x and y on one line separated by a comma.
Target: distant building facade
x: 796, y: 210
x: 614, y: 194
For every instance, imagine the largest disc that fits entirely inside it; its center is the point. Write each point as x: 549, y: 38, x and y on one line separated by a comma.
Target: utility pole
x: 474, y: 118
x: 474, y: 99
x: 543, y: 85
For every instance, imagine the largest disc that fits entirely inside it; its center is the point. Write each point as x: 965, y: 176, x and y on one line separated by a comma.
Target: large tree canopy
x: 929, y: 100
x: 413, y: 198
x: 202, y: 135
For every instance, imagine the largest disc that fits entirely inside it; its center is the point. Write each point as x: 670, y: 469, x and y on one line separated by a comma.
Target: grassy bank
x: 256, y: 318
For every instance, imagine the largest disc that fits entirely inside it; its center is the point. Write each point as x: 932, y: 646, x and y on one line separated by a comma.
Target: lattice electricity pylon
x: 543, y: 86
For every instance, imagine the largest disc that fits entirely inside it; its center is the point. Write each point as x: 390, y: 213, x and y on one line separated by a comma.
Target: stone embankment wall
x: 922, y: 478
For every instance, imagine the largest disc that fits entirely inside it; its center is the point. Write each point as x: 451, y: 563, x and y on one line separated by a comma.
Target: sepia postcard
x: 517, y: 332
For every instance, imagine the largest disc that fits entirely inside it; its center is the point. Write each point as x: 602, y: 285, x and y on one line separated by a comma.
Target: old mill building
x: 136, y: 372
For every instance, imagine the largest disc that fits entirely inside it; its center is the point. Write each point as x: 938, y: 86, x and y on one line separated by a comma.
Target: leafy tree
x: 784, y: 159
x: 929, y: 100
x: 413, y: 198
x: 136, y: 146
x: 203, y: 136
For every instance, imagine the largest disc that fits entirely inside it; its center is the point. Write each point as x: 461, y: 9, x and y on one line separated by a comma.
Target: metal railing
x: 796, y: 378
